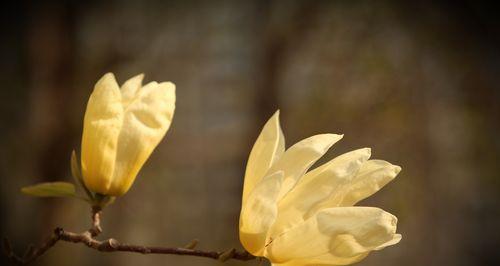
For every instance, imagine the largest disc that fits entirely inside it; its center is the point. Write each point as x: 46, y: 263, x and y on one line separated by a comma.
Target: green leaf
x: 77, y: 174
x: 51, y: 189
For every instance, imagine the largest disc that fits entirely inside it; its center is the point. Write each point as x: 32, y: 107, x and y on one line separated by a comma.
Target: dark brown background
x: 416, y: 82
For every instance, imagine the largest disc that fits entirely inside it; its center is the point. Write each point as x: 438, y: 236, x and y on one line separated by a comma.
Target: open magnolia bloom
x: 296, y: 218
x: 122, y: 127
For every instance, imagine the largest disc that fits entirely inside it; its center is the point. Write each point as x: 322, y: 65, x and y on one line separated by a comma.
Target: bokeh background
x: 418, y: 83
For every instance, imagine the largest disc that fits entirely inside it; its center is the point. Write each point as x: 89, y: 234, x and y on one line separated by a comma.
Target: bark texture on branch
x: 112, y: 245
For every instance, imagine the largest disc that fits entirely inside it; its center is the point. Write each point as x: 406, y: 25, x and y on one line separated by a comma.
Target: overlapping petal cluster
x: 293, y: 216
x: 122, y: 127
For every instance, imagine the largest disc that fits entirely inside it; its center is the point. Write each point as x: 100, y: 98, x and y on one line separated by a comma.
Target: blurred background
x: 418, y: 83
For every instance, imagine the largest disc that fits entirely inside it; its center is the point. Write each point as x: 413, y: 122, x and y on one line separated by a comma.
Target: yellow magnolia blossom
x: 122, y: 127
x: 294, y: 217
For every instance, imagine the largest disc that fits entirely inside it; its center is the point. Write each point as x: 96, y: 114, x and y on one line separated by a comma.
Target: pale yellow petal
x: 373, y: 175
x: 300, y: 157
x: 343, y: 235
x: 317, y: 186
x: 259, y: 212
x: 289, y: 263
x: 101, y: 127
x: 395, y: 239
x: 269, y: 147
x: 146, y: 120
x: 325, y: 260
x: 130, y: 88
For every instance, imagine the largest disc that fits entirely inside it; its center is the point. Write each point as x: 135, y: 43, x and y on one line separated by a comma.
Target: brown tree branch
x: 112, y: 245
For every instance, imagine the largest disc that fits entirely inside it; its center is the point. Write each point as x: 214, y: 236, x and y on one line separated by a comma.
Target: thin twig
x: 112, y: 245
x: 96, y: 229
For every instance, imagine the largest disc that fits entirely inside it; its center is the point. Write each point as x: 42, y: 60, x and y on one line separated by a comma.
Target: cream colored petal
x: 146, y: 120
x: 101, y: 127
x: 325, y: 260
x: 343, y: 235
x: 130, y: 88
x: 373, y: 175
x: 269, y: 147
x: 395, y: 239
x: 289, y: 263
x: 298, y: 158
x: 316, y: 186
x: 259, y: 212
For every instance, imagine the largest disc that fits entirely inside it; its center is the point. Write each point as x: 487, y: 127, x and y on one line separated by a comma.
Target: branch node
x: 144, y: 250
x: 109, y: 245
x: 226, y: 255
x: 192, y: 244
x: 113, y: 243
x: 58, y: 232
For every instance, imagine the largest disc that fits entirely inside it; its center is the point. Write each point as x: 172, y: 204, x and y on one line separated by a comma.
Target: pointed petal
x: 259, y: 212
x: 373, y: 175
x: 130, y: 88
x: 317, y: 186
x: 298, y: 158
x: 269, y: 147
x: 344, y: 235
x: 146, y: 120
x: 101, y: 127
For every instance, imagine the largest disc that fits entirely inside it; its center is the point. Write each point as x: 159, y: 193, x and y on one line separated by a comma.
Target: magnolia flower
x: 296, y: 218
x: 122, y: 127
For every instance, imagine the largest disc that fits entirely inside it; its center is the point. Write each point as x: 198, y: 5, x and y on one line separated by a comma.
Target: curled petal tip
x: 396, y: 238
x: 397, y: 169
